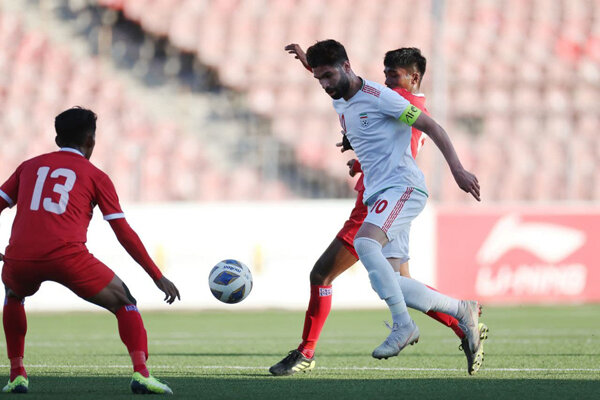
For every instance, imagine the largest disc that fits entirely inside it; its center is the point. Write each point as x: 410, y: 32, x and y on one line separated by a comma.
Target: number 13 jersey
x: 55, y: 195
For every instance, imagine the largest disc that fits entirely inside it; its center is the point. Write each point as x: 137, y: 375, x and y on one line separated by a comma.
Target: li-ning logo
x: 131, y: 307
x: 549, y: 242
x: 323, y: 292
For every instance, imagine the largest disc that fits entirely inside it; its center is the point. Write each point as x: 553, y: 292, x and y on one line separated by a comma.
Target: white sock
x: 422, y: 298
x: 381, y: 274
x: 398, y: 316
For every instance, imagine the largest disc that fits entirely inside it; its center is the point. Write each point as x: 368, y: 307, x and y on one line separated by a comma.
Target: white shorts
x: 398, y: 247
x: 393, y: 210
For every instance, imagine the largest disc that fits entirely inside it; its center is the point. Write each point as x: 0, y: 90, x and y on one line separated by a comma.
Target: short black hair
x: 73, y: 125
x: 326, y: 52
x: 406, y: 57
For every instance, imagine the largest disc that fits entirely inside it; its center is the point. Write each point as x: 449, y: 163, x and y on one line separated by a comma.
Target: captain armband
x: 410, y: 115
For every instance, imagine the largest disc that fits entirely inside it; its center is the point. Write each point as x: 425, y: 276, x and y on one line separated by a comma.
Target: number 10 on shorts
x: 379, y: 206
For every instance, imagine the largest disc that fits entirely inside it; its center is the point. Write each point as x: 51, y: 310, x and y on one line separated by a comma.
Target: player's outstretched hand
x: 169, y: 289
x: 295, y: 49
x: 468, y: 182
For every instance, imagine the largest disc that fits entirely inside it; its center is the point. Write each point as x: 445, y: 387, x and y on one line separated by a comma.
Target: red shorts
x: 80, y: 272
x: 353, y: 224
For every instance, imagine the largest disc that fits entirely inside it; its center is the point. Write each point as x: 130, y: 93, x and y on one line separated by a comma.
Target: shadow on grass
x: 306, y: 387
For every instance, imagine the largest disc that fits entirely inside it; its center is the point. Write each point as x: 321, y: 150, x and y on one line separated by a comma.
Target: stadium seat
x: 183, y: 30
x: 506, y: 88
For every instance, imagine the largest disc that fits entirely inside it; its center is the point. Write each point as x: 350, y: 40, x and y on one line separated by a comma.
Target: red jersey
x: 418, y: 137
x: 55, y: 194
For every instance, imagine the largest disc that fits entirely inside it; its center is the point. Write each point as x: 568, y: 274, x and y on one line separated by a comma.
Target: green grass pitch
x: 532, y: 353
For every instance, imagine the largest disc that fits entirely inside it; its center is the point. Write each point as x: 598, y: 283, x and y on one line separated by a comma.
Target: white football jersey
x: 373, y: 122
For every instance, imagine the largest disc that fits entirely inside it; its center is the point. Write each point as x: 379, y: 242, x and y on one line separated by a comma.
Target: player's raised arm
x: 133, y: 245
x: 295, y: 49
x: 421, y: 121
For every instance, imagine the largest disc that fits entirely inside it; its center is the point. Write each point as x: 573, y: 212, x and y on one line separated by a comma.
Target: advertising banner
x: 519, y: 254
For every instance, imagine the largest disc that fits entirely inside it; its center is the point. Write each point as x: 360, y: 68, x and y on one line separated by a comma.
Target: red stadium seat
x: 184, y: 29
x: 512, y: 70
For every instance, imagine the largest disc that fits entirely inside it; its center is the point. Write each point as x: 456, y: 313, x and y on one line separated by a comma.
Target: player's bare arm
x: 296, y: 50
x: 465, y: 180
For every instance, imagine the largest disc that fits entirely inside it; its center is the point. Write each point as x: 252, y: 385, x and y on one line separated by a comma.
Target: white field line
x: 239, y: 367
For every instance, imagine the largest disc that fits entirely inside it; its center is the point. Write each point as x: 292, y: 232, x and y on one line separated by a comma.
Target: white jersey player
x: 370, y: 122
x: 377, y: 123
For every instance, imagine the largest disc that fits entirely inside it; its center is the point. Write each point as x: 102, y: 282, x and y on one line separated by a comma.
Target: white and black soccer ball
x: 230, y: 281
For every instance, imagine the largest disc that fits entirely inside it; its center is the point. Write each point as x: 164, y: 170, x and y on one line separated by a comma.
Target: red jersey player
x: 55, y: 195
x: 404, y: 69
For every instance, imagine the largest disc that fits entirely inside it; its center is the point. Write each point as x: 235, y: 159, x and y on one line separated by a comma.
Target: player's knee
x: 115, y: 297
x: 129, y: 297
x: 319, y: 278
x: 321, y: 273
x: 8, y: 292
x: 122, y: 299
x: 325, y: 269
x: 404, y: 271
x: 365, y: 246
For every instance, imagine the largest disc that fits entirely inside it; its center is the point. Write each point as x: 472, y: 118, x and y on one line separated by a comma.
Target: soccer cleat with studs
x: 150, y: 385
x: 474, y: 361
x: 18, y: 385
x: 398, y: 339
x: 468, y: 322
x: 294, y: 362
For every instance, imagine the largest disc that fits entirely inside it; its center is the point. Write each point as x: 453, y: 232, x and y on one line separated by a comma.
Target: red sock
x: 446, y: 319
x: 133, y: 334
x: 17, y: 368
x: 316, y: 315
x: 15, y: 328
x: 138, y: 358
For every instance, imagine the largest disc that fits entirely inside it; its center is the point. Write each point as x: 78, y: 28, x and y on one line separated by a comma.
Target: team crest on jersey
x: 364, y: 119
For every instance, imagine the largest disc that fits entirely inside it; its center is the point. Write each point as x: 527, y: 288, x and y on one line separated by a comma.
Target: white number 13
x: 63, y: 190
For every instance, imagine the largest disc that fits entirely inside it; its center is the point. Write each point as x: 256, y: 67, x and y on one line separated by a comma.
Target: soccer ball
x: 230, y: 281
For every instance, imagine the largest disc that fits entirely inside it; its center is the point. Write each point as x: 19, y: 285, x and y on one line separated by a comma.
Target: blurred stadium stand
x: 516, y: 83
